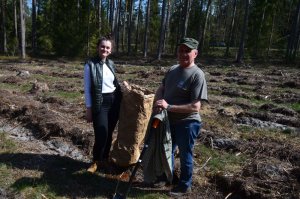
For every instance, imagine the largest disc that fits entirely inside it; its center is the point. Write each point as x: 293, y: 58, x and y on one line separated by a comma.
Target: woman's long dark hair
x: 106, y: 38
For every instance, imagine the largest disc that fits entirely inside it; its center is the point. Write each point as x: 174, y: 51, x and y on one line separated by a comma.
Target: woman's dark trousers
x: 104, y: 123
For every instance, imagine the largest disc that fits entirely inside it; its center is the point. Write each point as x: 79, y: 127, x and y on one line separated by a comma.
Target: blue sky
x: 29, y: 2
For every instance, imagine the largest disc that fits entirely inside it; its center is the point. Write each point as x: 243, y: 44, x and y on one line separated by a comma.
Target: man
x: 181, y: 92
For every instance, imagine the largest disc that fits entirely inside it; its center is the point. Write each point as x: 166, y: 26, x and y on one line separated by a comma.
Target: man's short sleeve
x: 199, y: 89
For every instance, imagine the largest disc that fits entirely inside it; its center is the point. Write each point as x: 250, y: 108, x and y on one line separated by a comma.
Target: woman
x: 102, y: 100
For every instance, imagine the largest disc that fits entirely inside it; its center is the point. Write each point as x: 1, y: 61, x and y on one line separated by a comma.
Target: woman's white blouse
x: 107, y: 84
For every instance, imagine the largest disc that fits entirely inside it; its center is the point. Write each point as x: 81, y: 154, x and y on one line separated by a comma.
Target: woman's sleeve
x: 87, y: 86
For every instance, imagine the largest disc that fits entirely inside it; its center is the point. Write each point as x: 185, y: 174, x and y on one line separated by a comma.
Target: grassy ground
x: 234, y: 92
x: 29, y: 175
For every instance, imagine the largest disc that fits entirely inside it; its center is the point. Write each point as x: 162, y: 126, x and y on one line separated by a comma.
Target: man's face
x: 186, y: 56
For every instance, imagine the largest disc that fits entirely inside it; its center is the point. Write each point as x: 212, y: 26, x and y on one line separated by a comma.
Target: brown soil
x: 256, y: 98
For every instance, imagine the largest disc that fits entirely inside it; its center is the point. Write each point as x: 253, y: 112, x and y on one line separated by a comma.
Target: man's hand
x: 161, y: 104
x: 157, y: 110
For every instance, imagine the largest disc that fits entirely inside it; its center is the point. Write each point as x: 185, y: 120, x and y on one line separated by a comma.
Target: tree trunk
x: 201, y: 45
x: 166, y: 36
x: 15, y: 19
x: 116, y: 19
x: 260, y: 28
x: 271, y: 34
x: 100, y: 17
x: 88, y: 29
x: 296, y: 43
x: 33, y: 30
x: 22, y: 30
x: 178, y: 27
x: 38, y: 7
x: 147, y: 29
x: 187, y: 8
x: 294, y: 36
x: 290, y: 11
x: 124, y: 27
x: 107, y: 10
x: 240, y: 55
x: 231, y: 29
x: 118, y: 26
x: 137, y: 27
x: 131, y: 2
x: 98, y: 4
x: 111, y: 14
x: 78, y: 13
x: 225, y: 23
x: 199, y: 30
x: 3, y: 27
x: 112, y: 17
x: 162, y: 30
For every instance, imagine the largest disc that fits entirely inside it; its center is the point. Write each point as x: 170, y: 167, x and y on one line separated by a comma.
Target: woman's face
x: 104, y: 49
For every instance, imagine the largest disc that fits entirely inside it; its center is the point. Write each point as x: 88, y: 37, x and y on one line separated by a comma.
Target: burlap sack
x: 136, y: 108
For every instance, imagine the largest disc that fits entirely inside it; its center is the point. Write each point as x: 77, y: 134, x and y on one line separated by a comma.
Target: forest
x: 238, y: 29
x: 248, y: 146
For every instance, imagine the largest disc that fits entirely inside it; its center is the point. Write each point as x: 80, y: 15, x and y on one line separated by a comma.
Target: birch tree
x: 137, y: 37
x: 22, y: 29
x: 167, y: 24
x: 162, y: 30
x: 203, y: 33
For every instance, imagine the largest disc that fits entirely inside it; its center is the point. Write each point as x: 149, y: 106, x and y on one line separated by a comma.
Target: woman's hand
x: 89, y: 115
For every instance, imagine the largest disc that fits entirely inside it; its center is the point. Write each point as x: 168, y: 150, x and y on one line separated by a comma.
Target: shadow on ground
x: 64, y: 176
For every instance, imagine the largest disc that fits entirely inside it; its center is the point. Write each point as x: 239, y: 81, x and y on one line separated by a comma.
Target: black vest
x: 96, y: 72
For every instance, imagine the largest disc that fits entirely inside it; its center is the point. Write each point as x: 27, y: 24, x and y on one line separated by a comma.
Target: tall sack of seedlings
x: 136, y: 108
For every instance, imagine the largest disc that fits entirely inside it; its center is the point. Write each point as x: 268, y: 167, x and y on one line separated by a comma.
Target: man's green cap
x: 189, y: 42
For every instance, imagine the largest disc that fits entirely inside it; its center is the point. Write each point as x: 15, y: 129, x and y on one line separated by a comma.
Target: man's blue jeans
x: 183, y: 135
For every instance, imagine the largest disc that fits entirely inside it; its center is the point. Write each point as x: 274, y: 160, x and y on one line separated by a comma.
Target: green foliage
x: 175, y: 23
x: 68, y: 96
x: 12, y: 46
x: 261, y: 23
x: 287, y: 131
x: 70, y: 28
x: 12, y: 42
x: 64, y: 27
x: 24, y: 87
x: 259, y: 26
x: 195, y: 20
x: 5, y: 175
x: 296, y: 106
x: 45, y: 43
x: 69, y: 32
x: 153, y: 195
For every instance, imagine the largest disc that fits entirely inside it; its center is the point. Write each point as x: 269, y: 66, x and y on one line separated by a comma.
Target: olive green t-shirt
x: 183, y: 86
